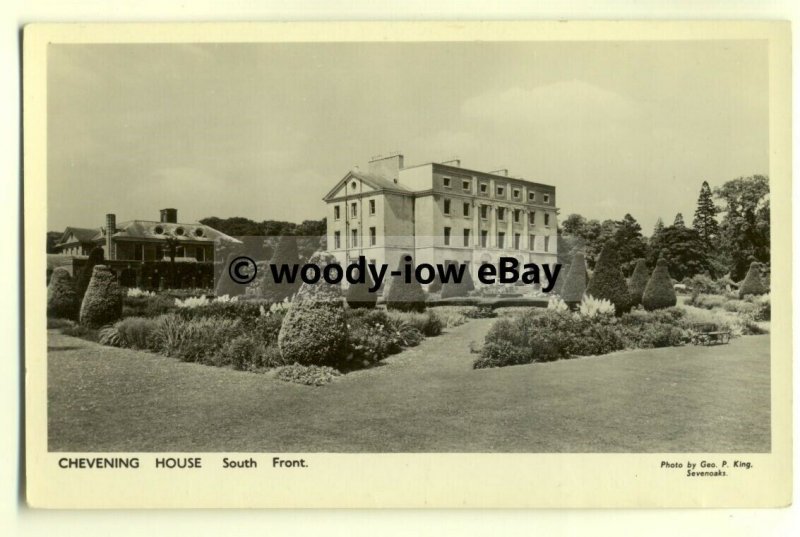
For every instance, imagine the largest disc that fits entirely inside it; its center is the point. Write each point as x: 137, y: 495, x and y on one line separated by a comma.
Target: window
x: 446, y: 206
x: 353, y: 210
x: 501, y: 191
x: 484, y: 211
x: 353, y: 238
x: 517, y: 214
x: 138, y: 252
x: 516, y: 193
x: 466, y: 237
x: 484, y: 238
x: 372, y: 236
x: 501, y: 213
x: 532, y: 217
x: 531, y: 196
x: 465, y: 184
x: 546, y: 243
x: 447, y: 236
x: 501, y: 240
x: 531, y: 242
x: 199, y: 253
x: 446, y: 182
x: 516, y: 241
x: 546, y: 198
x: 547, y: 219
x: 466, y: 208
x: 371, y: 206
x: 335, y: 212
x: 337, y: 239
x: 484, y: 188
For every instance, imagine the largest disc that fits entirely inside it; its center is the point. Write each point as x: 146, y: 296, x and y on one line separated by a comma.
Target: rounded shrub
x: 638, y: 282
x: 404, y: 296
x: 359, y: 294
x: 659, y: 293
x: 314, y: 330
x: 452, y: 289
x: 62, y: 299
x: 608, y: 282
x: 85, y: 276
x: 752, y: 284
x: 102, y: 303
x: 575, y: 283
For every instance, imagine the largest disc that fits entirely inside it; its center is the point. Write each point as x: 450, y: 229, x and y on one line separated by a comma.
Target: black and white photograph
x: 274, y: 250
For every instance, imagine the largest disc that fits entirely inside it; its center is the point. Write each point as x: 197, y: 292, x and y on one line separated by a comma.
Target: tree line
x: 729, y: 231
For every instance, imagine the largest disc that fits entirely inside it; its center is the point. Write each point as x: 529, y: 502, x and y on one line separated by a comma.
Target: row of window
x: 500, y: 190
x: 484, y: 241
x: 337, y: 238
x: 353, y: 210
x: 501, y: 213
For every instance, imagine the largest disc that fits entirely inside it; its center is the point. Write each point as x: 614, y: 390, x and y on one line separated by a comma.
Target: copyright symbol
x: 242, y: 270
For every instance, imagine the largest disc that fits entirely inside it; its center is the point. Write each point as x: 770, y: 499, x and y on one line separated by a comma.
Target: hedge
x: 638, y: 282
x: 608, y: 282
x: 659, y: 292
x: 62, y: 300
x: 575, y: 284
x: 405, y: 296
x: 102, y: 303
x: 359, y: 294
x: 752, y: 284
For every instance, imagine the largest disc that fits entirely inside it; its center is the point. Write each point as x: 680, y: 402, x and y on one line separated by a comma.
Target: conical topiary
x: 225, y: 284
x: 85, y: 276
x: 638, y: 282
x: 62, y: 300
x: 575, y: 283
x: 659, y: 292
x: 102, y: 303
x: 359, y: 294
x: 285, y: 254
x: 405, y: 296
x: 314, y: 330
x: 562, y: 277
x: 608, y: 282
x: 452, y: 289
x: 752, y: 284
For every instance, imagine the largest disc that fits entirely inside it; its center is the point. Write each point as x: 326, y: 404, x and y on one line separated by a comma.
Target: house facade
x: 136, y: 249
x: 440, y: 213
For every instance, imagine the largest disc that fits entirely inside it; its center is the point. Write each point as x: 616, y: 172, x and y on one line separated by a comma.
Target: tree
x: 61, y: 297
x: 659, y: 292
x: 405, y: 296
x: 574, y: 225
x: 102, y: 303
x: 638, y: 281
x: 597, y: 236
x: 658, y: 228
x: 95, y: 258
x: 745, y: 226
x: 705, y: 217
x: 575, y: 283
x: 752, y: 284
x: 314, y: 330
x: 683, y: 250
x: 628, y: 243
x: 608, y: 282
x: 285, y: 255
x: 359, y: 294
x: 678, y: 221
x: 52, y: 239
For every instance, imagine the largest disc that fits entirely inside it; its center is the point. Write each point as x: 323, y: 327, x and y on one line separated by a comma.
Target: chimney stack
x: 387, y: 167
x: 169, y: 216
x: 111, y: 228
x: 502, y: 171
x: 453, y: 162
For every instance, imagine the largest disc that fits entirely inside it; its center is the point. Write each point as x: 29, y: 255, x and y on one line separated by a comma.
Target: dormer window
x: 531, y: 196
x: 179, y: 231
x: 546, y: 198
x: 159, y: 230
x: 198, y: 232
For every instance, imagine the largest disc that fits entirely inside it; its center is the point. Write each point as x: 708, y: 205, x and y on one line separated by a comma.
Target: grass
x: 426, y: 399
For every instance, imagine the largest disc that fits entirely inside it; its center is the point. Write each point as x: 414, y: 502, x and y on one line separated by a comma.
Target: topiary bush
x: 85, y: 276
x: 452, y: 289
x: 609, y: 283
x: 562, y: 277
x: 575, y: 284
x: 638, y: 281
x: 285, y: 254
x: 62, y: 300
x: 359, y: 295
x: 752, y: 284
x: 404, y: 296
x: 659, y: 293
x: 314, y: 330
x: 102, y: 303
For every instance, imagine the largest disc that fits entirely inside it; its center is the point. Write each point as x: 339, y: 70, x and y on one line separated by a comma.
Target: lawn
x: 426, y: 399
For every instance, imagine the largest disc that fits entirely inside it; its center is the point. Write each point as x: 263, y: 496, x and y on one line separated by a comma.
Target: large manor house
x: 440, y: 213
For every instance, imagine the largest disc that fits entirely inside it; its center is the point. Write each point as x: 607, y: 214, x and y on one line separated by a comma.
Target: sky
x: 264, y: 131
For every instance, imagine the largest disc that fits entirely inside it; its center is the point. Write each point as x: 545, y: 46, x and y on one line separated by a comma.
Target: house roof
x: 377, y: 182
x: 153, y: 230
x: 83, y: 234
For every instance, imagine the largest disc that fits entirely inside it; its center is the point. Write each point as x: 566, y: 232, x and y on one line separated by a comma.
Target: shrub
x: 109, y: 335
x: 452, y: 316
x: 195, y: 340
x: 575, y: 284
x: 501, y: 354
x: 242, y: 352
x: 266, y: 328
x: 638, y: 282
x: 452, y: 289
x: 740, y: 306
x: 427, y: 323
x: 62, y: 300
x: 592, y: 307
x: 59, y: 323
x: 85, y: 277
x: 608, y: 282
x: 480, y: 312
x: 562, y: 277
x: 707, y: 301
x: 703, y: 283
x: 752, y: 284
x: 659, y: 292
x: 314, y: 330
x: 309, y: 375
x: 404, y: 296
x: 245, y: 311
x: 147, y: 306
x: 359, y: 294
x: 102, y: 303
x: 139, y: 333
x: 762, y: 303
x: 371, y: 343
x: 285, y: 254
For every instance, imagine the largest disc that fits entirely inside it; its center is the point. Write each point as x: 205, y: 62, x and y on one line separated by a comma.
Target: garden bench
x: 709, y: 334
